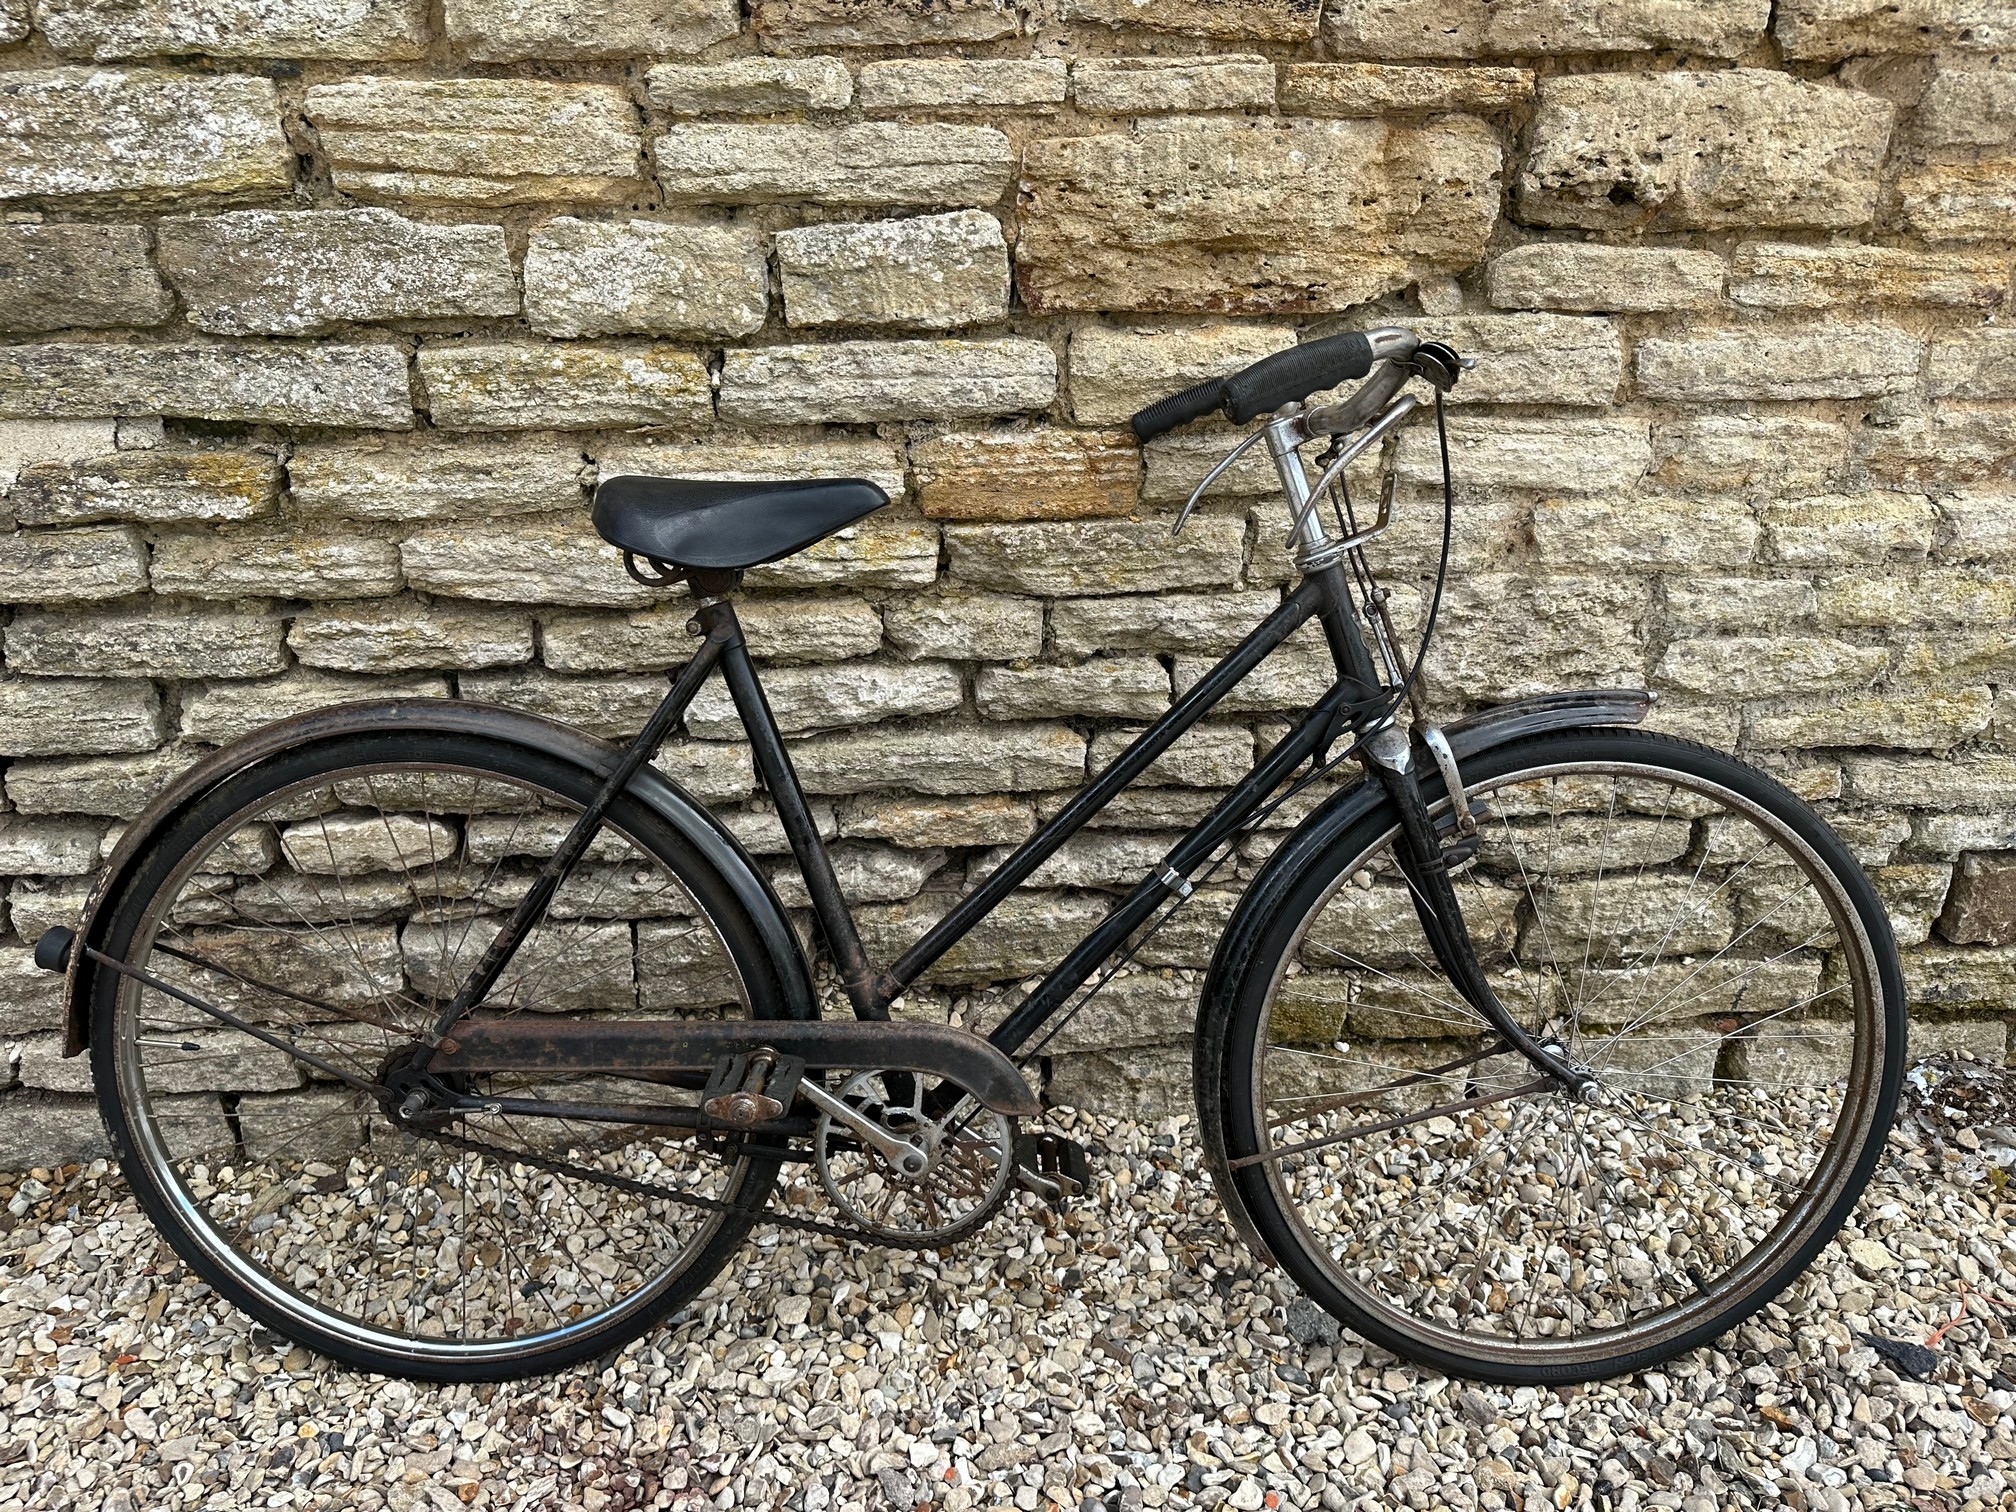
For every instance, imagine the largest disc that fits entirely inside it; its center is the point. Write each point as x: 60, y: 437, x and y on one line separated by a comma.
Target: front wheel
x: 1663, y: 916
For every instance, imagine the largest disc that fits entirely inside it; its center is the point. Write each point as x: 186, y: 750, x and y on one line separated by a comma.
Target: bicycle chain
x: 631, y: 1184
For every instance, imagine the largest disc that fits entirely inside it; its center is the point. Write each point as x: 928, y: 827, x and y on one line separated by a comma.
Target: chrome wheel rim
x: 492, y: 1228
x: 1401, y: 1223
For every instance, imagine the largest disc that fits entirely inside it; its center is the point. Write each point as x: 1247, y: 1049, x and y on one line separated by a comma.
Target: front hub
x: 1576, y: 1079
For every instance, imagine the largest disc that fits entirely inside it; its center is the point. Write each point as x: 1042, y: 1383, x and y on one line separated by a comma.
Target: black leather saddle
x: 690, y: 523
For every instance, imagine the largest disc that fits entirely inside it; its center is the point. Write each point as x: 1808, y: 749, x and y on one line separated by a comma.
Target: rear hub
x: 414, y: 1097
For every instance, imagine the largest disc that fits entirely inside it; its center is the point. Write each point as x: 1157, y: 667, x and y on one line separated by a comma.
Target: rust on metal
x: 634, y: 1047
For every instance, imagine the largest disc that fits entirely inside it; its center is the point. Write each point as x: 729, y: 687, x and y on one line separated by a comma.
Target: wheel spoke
x: 372, y: 1231
x: 1566, y: 1231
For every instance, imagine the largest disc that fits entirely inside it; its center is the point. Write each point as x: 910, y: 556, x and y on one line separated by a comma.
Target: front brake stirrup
x: 1391, y: 755
x: 1387, y: 1126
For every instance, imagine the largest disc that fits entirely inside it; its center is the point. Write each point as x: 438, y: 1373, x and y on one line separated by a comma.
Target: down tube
x: 1305, y: 601
x: 1300, y: 743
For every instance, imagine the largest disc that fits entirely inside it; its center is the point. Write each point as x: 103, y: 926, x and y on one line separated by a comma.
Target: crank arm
x: 1538, y: 1084
x: 1051, y: 1166
x: 905, y: 1155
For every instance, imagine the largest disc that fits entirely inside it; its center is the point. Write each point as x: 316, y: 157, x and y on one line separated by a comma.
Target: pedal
x: 746, y: 1090
x: 1051, y: 1166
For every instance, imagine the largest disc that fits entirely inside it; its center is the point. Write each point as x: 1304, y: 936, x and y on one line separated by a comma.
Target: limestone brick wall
x: 318, y: 319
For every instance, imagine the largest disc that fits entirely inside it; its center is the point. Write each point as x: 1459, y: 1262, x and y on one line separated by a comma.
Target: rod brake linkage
x: 1538, y: 1084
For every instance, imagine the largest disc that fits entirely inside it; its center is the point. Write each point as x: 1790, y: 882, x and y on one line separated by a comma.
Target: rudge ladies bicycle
x: 457, y: 1044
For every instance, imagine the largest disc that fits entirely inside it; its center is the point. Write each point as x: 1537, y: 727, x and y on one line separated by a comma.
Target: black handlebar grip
x: 1179, y: 409
x: 1296, y: 374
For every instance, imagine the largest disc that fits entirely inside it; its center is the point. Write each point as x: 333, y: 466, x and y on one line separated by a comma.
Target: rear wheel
x: 1662, y: 915
x: 335, y: 895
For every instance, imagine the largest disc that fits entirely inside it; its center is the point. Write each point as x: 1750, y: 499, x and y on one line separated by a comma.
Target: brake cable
x: 1318, y: 769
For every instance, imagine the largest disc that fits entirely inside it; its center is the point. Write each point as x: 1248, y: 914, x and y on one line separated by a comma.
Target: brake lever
x: 1212, y: 477
x: 1435, y: 361
x: 1399, y: 410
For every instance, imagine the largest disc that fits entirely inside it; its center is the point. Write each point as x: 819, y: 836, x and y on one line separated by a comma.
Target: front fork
x: 1390, y: 754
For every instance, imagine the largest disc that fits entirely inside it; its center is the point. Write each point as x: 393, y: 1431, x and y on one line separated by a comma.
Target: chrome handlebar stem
x: 1291, y: 426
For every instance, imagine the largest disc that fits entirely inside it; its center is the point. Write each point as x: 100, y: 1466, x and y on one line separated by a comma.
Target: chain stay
x: 639, y: 1188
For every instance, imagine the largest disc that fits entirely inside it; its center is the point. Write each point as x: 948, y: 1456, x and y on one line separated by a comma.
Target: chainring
x: 972, y: 1164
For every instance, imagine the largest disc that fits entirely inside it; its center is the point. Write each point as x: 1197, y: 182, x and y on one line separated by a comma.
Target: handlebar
x: 1283, y: 378
x: 1295, y: 374
x: 1338, y: 419
x: 1194, y: 403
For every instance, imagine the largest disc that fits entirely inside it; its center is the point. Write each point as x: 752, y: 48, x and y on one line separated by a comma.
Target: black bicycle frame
x: 1323, y: 594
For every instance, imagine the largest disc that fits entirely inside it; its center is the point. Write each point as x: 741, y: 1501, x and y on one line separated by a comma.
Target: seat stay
x: 532, y: 907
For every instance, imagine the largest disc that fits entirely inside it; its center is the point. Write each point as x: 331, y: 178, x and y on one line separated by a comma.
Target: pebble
x: 1042, y: 1365
x: 1309, y: 1324
x: 1479, y: 1408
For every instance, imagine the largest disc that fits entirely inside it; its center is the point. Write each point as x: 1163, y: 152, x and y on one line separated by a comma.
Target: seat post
x: 712, y: 583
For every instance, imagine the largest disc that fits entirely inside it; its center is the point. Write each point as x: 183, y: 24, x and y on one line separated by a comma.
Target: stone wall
x: 320, y: 319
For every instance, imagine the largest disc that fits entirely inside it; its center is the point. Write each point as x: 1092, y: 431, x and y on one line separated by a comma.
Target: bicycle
x: 457, y: 1044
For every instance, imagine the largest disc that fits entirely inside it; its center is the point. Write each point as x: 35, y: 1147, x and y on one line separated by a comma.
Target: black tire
x: 1448, y: 1307
x: 128, y: 1089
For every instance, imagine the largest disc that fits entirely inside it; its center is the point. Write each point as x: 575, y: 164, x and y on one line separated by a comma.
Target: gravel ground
x: 1124, y: 1354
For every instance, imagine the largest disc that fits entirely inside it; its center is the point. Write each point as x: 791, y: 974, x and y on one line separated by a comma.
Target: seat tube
x: 773, y: 765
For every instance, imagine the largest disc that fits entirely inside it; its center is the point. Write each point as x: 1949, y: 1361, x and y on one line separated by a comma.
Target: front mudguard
x: 1467, y: 737
x: 548, y: 737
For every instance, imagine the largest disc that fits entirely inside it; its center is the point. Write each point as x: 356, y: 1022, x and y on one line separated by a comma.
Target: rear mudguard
x: 650, y: 787
x: 1467, y: 737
